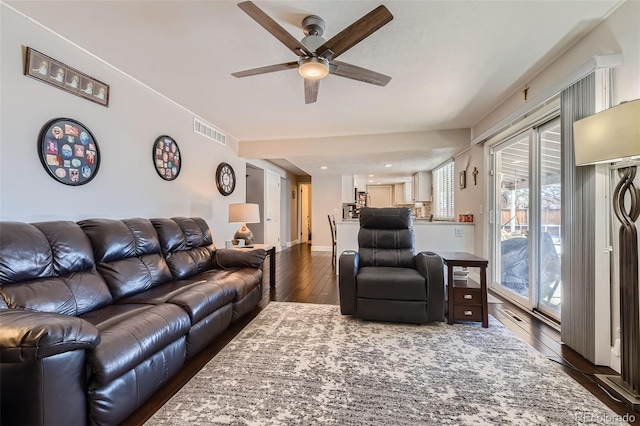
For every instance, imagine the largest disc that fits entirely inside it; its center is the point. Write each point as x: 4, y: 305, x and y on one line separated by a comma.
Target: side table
x: 467, y: 298
x: 271, y: 252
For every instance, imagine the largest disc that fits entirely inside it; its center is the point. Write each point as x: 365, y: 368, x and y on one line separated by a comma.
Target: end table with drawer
x: 467, y: 298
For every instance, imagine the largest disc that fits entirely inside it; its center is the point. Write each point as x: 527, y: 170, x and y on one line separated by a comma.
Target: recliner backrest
x: 128, y: 254
x: 49, y: 267
x: 187, y: 245
x: 386, y: 237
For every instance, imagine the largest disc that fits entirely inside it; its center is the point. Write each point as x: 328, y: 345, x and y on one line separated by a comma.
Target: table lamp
x: 244, y: 213
x: 613, y: 136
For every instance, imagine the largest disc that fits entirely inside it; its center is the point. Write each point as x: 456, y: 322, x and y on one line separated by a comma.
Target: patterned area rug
x: 305, y: 364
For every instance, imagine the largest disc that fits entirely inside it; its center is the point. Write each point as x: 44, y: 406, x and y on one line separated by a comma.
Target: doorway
x: 304, y: 208
x: 380, y: 195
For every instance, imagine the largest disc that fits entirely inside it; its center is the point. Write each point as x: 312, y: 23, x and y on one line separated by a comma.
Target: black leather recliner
x: 385, y: 280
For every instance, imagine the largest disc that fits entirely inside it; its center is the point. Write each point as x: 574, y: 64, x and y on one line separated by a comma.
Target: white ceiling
x: 451, y: 62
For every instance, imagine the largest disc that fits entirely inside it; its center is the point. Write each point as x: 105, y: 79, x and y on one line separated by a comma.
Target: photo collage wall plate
x: 166, y: 157
x: 68, y: 151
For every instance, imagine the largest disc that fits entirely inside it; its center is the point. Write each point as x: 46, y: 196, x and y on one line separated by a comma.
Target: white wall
x: 472, y: 198
x: 326, y: 200
x: 127, y: 184
x: 619, y: 33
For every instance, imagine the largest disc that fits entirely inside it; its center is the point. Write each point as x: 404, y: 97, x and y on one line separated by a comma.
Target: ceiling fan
x: 316, y: 57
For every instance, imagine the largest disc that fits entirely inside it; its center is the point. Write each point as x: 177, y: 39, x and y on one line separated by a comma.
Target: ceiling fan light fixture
x: 313, y: 68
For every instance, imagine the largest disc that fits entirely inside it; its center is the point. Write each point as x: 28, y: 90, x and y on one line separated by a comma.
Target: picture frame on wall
x: 166, y: 157
x: 68, y: 151
x: 41, y: 67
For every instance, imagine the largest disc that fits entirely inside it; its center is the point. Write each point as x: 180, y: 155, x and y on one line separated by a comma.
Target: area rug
x: 305, y: 364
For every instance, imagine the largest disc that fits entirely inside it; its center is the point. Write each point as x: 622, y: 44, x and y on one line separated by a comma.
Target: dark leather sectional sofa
x: 95, y: 316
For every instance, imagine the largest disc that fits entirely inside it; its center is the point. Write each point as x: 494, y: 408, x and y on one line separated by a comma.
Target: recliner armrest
x: 349, y: 263
x: 238, y: 258
x: 28, y: 336
x: 430, y: 266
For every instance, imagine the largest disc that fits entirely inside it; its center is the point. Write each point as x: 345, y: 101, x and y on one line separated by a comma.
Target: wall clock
x: 225, y: 179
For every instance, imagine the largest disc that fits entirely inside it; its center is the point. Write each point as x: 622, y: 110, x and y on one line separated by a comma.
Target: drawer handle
x: 468, y: 313
x: 468, y: 296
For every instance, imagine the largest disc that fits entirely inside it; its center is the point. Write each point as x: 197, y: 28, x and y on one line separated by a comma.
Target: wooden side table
x: 467, y: 298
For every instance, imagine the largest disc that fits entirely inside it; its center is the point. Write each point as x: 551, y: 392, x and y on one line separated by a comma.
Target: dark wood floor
x: 309, y: 277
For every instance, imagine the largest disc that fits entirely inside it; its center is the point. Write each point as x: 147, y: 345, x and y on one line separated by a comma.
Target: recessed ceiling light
x: 388, y: 165
x: 371, y: 175
x: 377, y: 183
x: 370, y: 180
x: 324, y: 167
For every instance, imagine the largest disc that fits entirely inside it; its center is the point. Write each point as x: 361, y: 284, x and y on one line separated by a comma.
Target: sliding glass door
x: 526, y: 218
x: 511, y: 218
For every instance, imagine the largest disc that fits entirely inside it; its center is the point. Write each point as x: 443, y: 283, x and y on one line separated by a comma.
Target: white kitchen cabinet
x: 422, y: 186
x: 408, y: 192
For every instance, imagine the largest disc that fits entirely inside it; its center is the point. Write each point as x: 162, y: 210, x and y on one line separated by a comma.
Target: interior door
x: 272, y: 210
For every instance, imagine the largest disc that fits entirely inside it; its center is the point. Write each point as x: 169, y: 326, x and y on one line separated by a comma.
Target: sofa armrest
x: 28, y: 336
x: 238, y: 258
x: 349, y: 263
x: 430, y: 266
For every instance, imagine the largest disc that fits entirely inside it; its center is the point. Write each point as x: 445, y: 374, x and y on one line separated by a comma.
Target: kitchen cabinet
x: 422, y: 186
x: 402, y: 193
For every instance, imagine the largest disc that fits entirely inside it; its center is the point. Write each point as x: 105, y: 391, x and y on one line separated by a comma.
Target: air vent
x: 208, y: 131
x: 512, y: 315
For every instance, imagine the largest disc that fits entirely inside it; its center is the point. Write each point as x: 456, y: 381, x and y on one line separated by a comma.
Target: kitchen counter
x: 430, y: 236
x: 416, y: 222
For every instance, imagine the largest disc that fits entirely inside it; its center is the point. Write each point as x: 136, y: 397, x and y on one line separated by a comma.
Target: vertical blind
x: 443, y: 192
x: 578, y: 226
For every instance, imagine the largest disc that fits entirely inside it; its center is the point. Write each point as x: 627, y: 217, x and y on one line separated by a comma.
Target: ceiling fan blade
x: 311, y: 90
x: 355, y: 33
x: 267, y: 69
x: 274, y: 28
x: 354, y: 72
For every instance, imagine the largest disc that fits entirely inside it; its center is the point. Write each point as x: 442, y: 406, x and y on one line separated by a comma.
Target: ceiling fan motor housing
x: 312, y: 42
x: 313, y: 25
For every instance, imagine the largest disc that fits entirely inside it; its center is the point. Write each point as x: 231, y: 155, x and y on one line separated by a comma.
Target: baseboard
x: 292, y: 243
x: 321, y: 248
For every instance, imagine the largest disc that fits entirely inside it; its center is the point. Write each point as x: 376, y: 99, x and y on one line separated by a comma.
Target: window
x: 443, y: 192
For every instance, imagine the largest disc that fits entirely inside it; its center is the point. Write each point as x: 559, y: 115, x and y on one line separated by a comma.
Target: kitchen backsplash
x: 420, y: 212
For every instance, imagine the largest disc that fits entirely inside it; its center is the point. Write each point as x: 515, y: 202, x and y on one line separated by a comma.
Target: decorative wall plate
x: 166, y: 157
x: 68, y: 151
x: 225, y: 179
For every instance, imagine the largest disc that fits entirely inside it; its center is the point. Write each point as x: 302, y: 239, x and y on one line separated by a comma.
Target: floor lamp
x: 613, y: 136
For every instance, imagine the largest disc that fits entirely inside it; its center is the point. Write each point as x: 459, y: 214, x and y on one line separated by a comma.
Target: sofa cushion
x: 130, y: 334
x: 386, y: 237
x: 197, y: 297
x: 242, y: 281
x: 390, y: 283
x: 49, y: 267
x: 128, y: 254
x: 187, y: 245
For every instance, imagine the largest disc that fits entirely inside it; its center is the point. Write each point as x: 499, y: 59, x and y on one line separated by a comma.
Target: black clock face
x: 225, y: 179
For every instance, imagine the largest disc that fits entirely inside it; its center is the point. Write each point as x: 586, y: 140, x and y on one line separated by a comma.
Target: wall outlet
x: 458, y: 232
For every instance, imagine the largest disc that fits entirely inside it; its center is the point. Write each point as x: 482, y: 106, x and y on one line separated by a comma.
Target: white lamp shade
x: 244, y: 213
x: 608, y: 136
